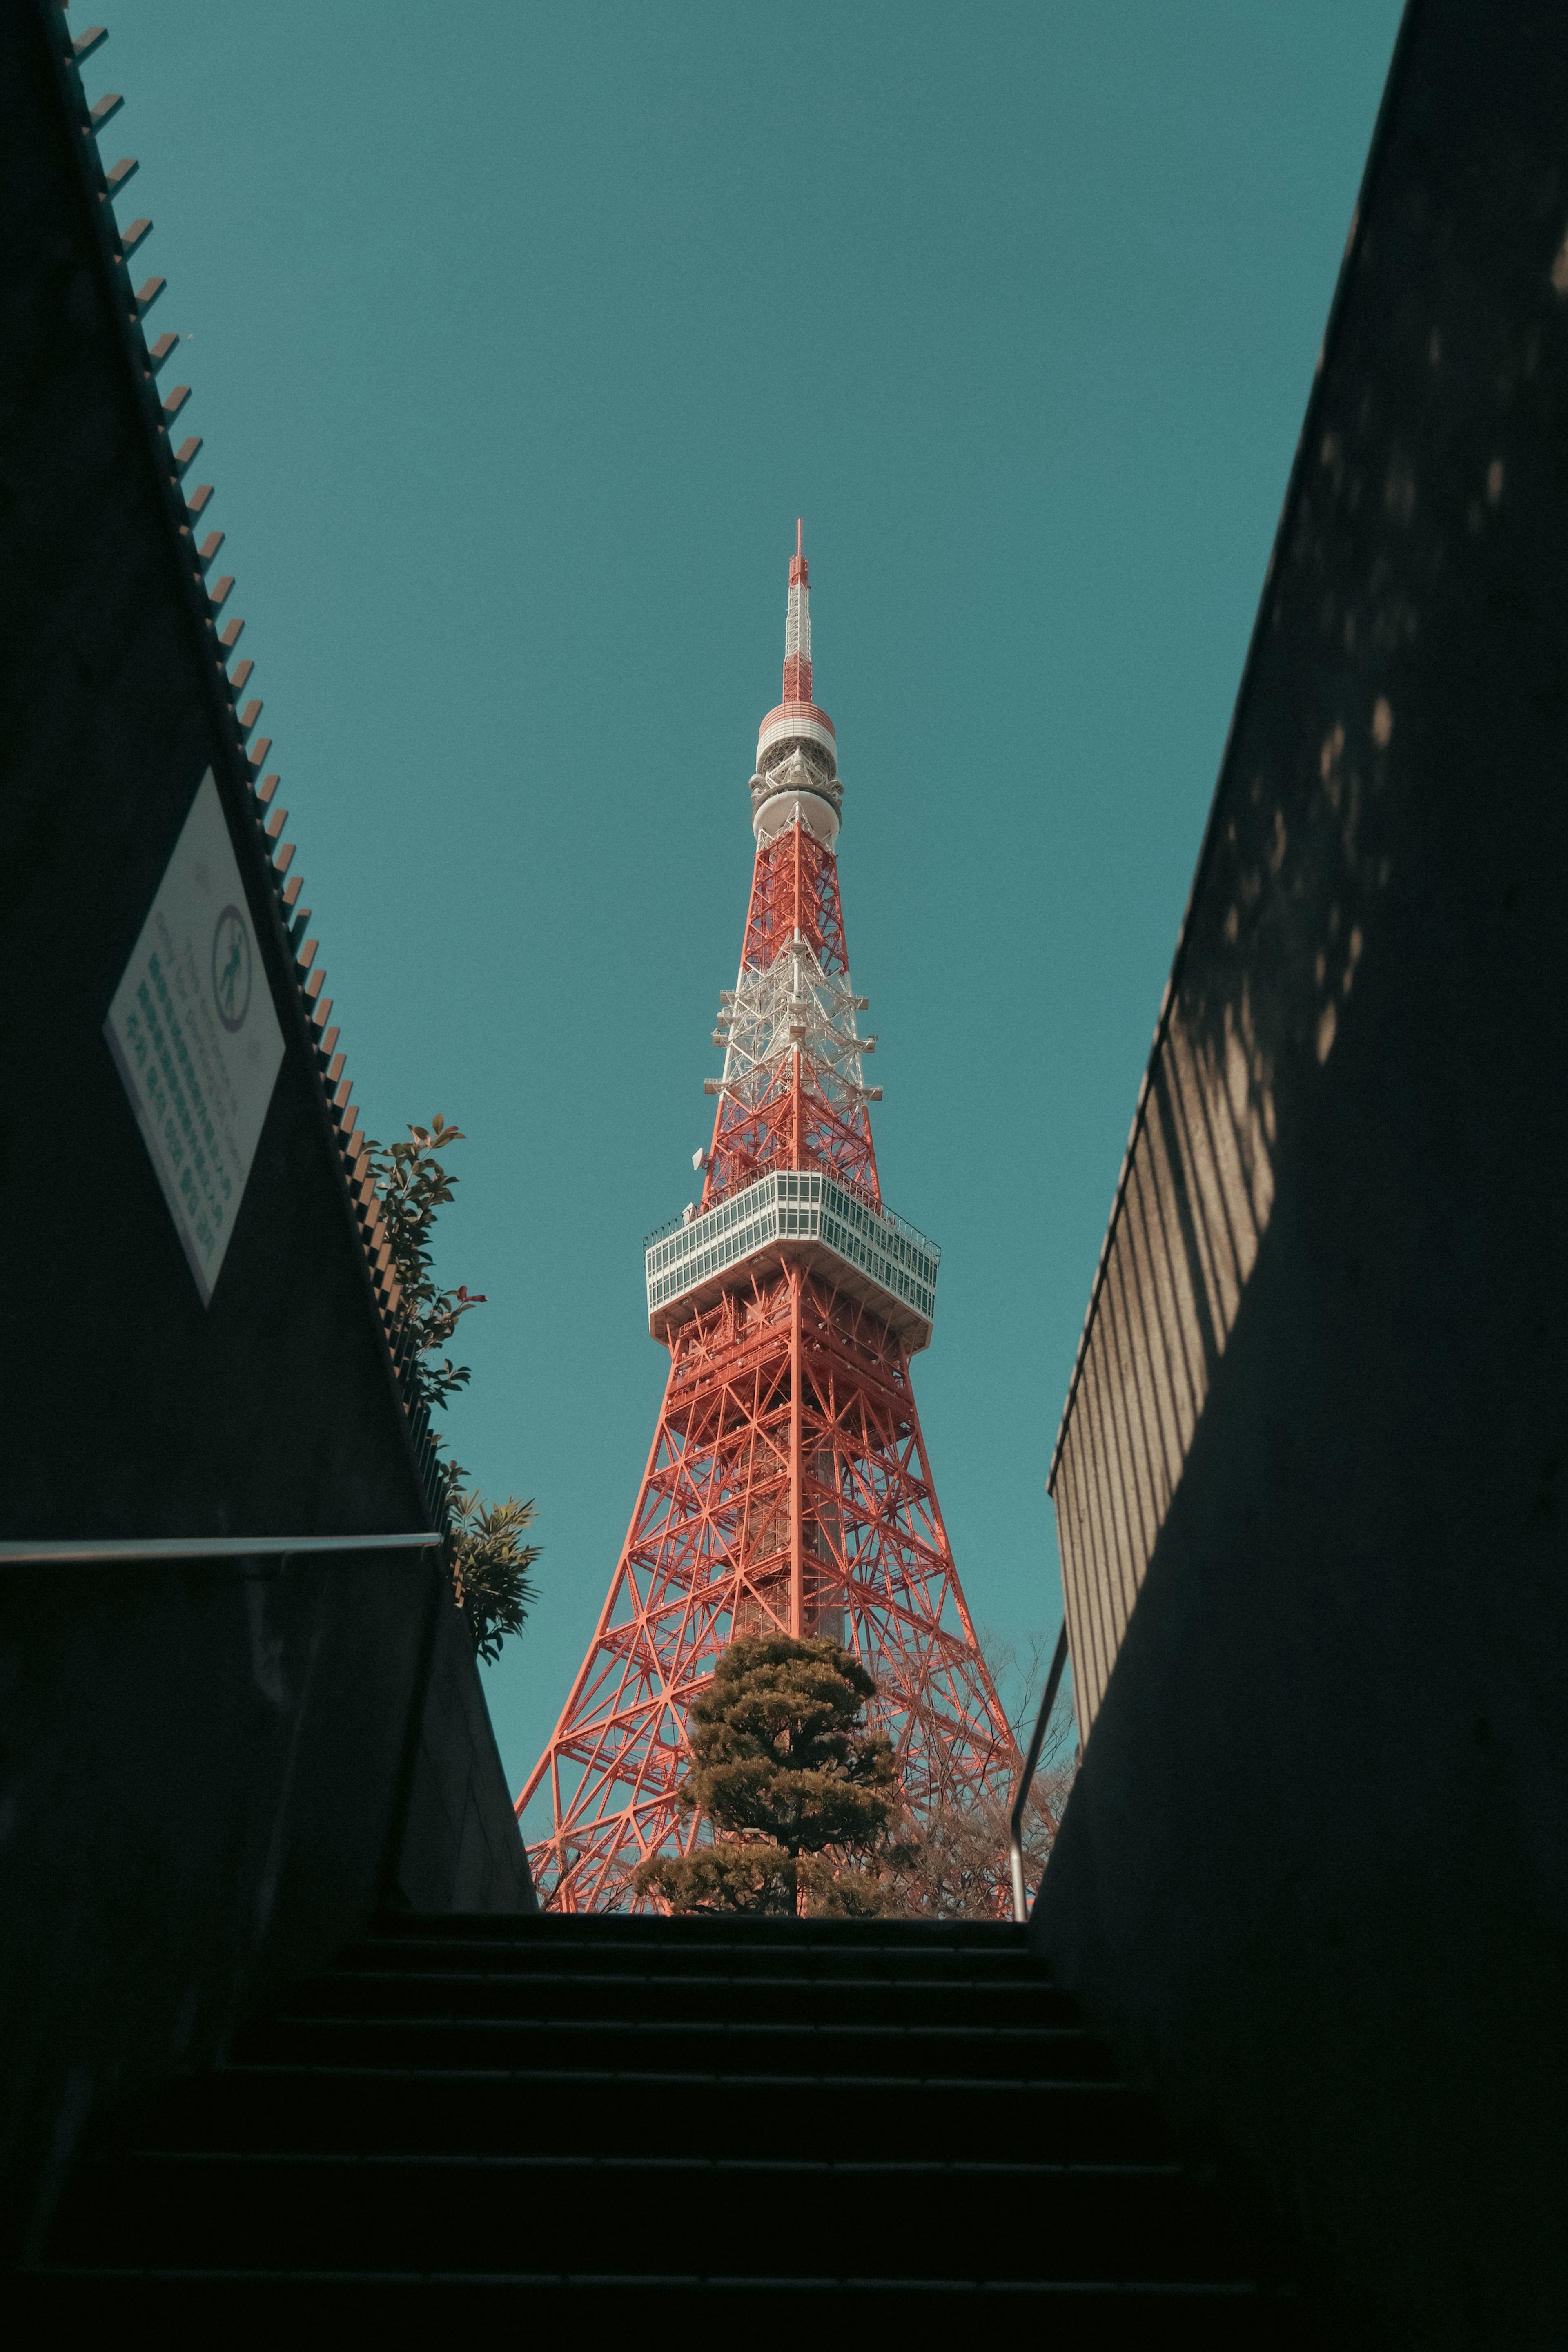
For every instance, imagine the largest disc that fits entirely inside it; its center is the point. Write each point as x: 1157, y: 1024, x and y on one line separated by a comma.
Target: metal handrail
x: 1025, y: 1779
x: 67, y: 1551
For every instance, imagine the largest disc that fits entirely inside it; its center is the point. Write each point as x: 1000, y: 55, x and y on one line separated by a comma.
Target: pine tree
x: 785, y: 1770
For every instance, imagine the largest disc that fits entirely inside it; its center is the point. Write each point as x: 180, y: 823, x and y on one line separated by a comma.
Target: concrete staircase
x: 611, y: 2119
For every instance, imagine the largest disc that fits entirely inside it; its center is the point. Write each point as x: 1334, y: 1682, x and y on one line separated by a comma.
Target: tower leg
x: 797, y: 1577
x: 787, y: 1487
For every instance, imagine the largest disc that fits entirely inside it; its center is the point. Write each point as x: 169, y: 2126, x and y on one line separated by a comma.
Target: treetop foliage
x: 806, y: 1803
x: 778, y: 1750
x: 785, y: 1768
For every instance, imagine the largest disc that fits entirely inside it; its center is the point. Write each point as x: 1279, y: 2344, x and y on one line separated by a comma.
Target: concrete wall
x: 1314, y: 1875
x: 130, y: 1408
x: 461, y: 1847
x: 197, y: 1770
x: 211, y: 1774
x: 211, y: 1777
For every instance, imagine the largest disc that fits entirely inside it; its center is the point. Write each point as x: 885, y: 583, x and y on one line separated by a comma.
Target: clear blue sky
x: 521, y: 335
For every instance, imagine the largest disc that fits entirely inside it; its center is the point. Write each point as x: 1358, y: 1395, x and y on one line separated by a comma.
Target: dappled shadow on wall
x: 1197, y: 1191
x: 1421, y: 522
x: 1285, y: 900
x: 1267, y: 966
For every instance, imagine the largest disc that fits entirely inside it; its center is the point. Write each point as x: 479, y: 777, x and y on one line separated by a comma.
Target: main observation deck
x: 868, y: 1252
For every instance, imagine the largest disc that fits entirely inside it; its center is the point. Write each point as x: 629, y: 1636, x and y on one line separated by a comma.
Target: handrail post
x: 1026, y: 1777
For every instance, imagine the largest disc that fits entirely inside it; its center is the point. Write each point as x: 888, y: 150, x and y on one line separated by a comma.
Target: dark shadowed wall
x: 1310, y: 1486
x: 206, y: 1768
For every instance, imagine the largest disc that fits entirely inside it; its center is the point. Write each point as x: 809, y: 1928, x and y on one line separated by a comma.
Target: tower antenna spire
x: 797, y: 776
x: 798, y: 627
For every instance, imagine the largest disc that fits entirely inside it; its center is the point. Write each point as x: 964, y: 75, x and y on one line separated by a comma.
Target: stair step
x: 588, y: 1994
x: 643, y: 1960
x: 739, y: 1934
x: 581, y: 2112
x: 1114, y: 2314
x: 997, y: 2052
x: 1027, y: 2220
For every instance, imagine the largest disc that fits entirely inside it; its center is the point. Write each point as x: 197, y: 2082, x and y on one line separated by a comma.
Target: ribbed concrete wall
x: 1194, y: 1202
x: 1314, y: 1875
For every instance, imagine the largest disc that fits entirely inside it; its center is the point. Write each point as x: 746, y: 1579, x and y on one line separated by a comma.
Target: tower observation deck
x: 788, y: 1486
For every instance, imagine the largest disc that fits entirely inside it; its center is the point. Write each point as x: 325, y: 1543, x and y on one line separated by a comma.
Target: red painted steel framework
x: 788, y: 1484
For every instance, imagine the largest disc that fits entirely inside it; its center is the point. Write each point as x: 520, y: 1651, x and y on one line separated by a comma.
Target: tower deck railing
x: 797, y: 1205
x: 864, y: 1194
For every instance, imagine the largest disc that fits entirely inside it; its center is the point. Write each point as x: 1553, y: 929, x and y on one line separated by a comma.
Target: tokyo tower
x: 788, y: 1485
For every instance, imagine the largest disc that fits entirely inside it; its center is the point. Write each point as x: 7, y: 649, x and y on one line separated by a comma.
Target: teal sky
x: 521, y: 335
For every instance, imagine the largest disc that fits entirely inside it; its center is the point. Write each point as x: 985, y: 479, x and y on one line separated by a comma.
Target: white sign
x: 195, y: 1038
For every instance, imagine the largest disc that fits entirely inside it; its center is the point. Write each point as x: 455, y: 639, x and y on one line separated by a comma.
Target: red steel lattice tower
x: 788, y: 1484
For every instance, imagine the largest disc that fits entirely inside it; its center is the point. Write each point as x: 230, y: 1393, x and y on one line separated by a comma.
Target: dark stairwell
x: 631, y: 2118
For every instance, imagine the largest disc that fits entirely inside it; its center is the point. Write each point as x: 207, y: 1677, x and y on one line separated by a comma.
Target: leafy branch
x: 413, y: 1184
x: 485, y: 1553
x: 489, y: 1564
